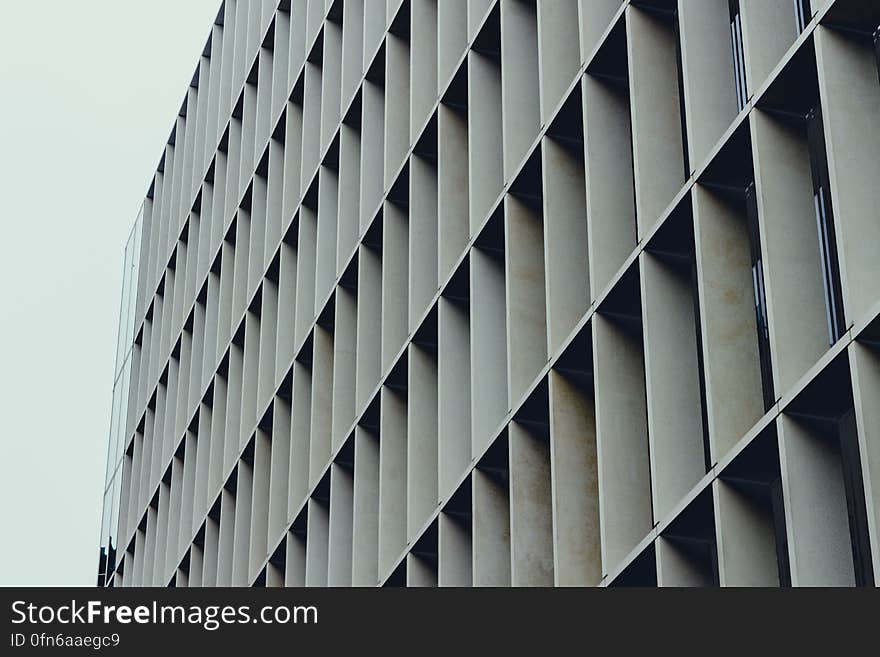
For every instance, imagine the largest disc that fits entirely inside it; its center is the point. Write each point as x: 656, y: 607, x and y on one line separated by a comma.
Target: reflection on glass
x: 119, y: 408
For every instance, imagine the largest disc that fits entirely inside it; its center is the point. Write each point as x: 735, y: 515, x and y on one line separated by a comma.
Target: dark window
x: 778, y: 509
x: 855, y: 500
x: 739, y: 57
x: 825, y: 225
x: 701, y: 368
x: 802, y: 14
x: 760, y: 296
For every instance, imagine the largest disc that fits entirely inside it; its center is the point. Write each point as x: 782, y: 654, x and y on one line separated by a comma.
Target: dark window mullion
x: 681, y: 102
x: 777, y: 504
x: 857, y: 511
x: 704, y: 414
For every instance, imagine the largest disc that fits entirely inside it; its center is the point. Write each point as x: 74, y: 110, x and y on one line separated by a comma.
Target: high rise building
x: 508, y: 292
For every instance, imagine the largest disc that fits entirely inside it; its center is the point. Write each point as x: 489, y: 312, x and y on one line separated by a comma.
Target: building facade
x: 508, y: 292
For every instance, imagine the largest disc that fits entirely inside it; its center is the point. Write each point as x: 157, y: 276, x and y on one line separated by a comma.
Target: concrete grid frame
x: 508, y: 292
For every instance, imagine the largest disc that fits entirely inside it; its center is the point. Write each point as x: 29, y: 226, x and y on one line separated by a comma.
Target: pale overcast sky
x: 88, y: 93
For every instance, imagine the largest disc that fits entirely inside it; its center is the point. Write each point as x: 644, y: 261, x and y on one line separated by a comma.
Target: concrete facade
x: 508, y: 293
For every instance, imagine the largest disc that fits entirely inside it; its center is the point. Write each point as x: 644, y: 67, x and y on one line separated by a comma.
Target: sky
x: 88, y: 93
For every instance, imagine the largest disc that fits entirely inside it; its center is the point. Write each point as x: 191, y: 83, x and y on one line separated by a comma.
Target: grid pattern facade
x: 508, y: 292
